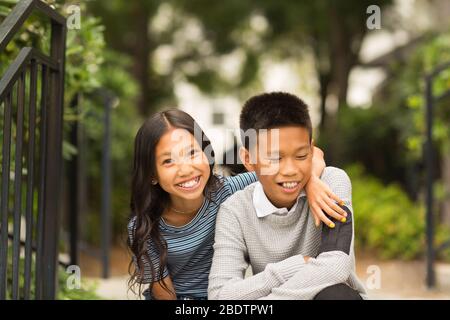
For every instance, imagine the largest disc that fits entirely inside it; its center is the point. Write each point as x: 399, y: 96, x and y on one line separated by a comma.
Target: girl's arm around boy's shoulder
x: 339, y: 182
x: 240, y: 181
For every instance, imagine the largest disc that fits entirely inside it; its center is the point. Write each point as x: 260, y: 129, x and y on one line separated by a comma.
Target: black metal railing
x: 76, y: 172
x: 31, y: 95
x: 430, y: 99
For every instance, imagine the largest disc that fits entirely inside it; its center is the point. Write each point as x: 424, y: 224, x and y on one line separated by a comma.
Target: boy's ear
x: 244, y: 154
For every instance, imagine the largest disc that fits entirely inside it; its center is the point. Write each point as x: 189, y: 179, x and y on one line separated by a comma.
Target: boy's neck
x: 279, y: 204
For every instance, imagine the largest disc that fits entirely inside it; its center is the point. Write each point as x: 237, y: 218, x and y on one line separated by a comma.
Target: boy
x: 267, y: 225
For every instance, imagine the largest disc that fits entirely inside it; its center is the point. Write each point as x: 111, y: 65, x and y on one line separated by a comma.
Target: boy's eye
x: 302, y: 157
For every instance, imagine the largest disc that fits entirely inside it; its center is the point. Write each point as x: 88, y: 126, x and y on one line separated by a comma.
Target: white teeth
x: 290, y: 185
x: 190, y: 183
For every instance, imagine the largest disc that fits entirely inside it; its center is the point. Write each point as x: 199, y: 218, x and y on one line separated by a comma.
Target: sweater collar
x: 264, y: 207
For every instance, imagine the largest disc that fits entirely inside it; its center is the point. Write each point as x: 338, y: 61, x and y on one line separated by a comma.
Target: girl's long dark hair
x: 149, y: 201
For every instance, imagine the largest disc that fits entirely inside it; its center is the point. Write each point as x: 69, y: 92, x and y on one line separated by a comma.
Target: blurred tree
x: 333, y: 31
x: 432, y: 53
x: 127, y: 30
x: 388, y: 137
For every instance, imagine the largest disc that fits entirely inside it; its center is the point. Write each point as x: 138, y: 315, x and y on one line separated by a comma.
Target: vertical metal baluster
x: 73, y: 187
x: 42, y: 160
x: 106, y: 186
x: 30, y: 175
x: 6, y: 153
x: 53, y: 182
x: 17, y: 187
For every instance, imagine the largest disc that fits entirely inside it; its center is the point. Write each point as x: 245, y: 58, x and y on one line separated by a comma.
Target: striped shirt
x: 190, y: 247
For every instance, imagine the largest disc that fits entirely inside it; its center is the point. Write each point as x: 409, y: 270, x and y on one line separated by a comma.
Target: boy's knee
x: 338, y: 291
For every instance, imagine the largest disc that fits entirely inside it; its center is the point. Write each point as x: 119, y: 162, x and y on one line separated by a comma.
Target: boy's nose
x: 288, y: 168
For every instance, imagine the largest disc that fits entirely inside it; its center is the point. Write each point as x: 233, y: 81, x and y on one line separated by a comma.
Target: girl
x: 174, y: 201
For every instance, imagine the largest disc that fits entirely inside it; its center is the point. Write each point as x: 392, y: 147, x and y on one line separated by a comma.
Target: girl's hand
x: 159, y: 292
x: 320, y: 197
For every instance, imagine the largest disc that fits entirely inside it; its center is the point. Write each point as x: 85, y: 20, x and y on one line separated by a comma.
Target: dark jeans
x: 148, y: 296
x: 338, y: 292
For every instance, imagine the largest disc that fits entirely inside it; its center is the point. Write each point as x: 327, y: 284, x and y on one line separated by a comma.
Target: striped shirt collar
x: 264, y: 207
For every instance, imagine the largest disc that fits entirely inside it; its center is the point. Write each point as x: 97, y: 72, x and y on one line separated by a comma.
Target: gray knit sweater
x: 274, y: 247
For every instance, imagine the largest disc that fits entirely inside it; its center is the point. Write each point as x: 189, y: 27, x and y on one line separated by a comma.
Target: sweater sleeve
x: 230, y: 261
x: 329, y: 268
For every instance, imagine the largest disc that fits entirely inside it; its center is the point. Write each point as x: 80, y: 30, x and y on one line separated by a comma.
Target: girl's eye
x: 167, y: 161
x: 194, y: 153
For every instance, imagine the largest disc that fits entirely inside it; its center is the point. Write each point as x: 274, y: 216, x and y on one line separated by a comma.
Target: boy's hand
x: 320, y: 197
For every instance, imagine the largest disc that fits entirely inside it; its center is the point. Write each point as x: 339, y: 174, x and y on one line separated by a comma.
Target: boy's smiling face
x: 282, y: 160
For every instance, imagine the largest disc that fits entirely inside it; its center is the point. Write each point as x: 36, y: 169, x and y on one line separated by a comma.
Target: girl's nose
x: 185, y: 169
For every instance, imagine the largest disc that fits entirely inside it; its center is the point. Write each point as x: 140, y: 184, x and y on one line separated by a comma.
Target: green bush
x: 376, y: 138
x: 86, y: 292
x: 387, y: 222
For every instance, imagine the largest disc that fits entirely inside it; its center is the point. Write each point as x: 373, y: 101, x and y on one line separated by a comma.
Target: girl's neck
x: 180, y: 212
x: 185, y: 206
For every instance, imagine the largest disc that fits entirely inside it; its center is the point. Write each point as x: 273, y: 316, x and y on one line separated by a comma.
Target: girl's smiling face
x: 182, y: 168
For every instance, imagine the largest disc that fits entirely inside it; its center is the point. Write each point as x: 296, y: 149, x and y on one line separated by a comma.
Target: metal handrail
x: 20, y: 14
x: 19, y: 65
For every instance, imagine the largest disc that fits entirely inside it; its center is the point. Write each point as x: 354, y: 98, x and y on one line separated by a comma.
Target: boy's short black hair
x: 273, y: 110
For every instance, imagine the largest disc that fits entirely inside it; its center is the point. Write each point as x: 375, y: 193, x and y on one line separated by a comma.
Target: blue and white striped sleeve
x: 152, y: 254
x: 240, y: 181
